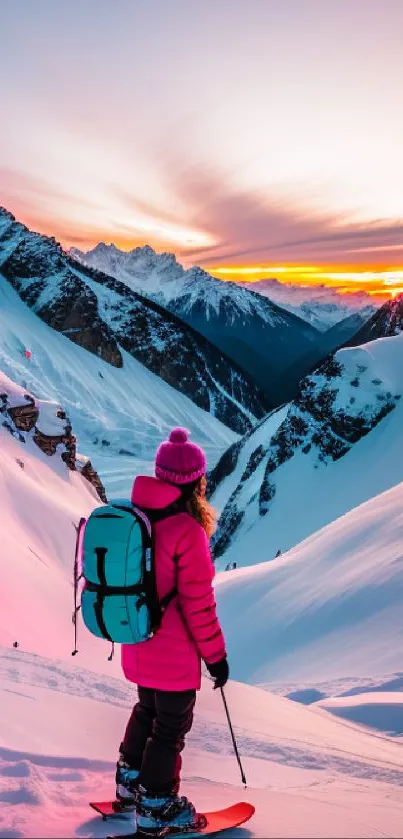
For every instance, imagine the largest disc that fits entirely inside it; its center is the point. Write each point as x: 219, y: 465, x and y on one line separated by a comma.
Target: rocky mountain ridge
x: 335, y: 408
x: 103, y: 315
x: 47, y: 425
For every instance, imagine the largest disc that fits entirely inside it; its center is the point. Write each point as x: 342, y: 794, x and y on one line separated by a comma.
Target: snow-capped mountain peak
x: 262, y: 338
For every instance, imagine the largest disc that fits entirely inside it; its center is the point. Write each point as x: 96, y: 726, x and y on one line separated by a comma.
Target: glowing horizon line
x: 279, y: 269
x: 389, y: 276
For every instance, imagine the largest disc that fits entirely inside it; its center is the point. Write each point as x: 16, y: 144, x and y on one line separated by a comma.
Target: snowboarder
x: 167, y: 667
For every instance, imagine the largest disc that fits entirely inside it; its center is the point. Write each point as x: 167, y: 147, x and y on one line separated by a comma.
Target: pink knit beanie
x: 178, y: 461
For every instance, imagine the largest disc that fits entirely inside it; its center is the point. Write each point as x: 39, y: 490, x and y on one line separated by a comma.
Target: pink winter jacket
x: 190, y: 630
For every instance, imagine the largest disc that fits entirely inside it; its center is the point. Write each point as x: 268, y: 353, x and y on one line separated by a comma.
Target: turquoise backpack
x: 115, y: 560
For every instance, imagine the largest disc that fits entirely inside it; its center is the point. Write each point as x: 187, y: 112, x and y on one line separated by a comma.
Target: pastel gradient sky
x: 244, y: 135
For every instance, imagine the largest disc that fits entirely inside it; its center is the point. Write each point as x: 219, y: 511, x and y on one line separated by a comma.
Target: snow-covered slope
x: 41, y: 501
x: 105, y: 317
x: 309, y: 774
x: 119, y: 415
x: 329, y: 609
x: 261, y: 337
x: 337, y: 445
x: 321, y: 306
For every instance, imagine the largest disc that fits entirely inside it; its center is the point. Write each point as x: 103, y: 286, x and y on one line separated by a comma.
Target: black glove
x: 219, y: 671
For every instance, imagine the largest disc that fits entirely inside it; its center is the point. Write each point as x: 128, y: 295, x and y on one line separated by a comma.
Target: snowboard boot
x: 126, y: 784
x: 159, y: 815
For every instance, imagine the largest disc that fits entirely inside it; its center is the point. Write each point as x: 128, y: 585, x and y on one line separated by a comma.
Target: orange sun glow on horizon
x: 385, y: 281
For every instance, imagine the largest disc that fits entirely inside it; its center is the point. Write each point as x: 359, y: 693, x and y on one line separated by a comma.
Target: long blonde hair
x: 200, y: 508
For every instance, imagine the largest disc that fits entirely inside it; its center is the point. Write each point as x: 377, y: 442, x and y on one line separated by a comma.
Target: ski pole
x: 233, y: 737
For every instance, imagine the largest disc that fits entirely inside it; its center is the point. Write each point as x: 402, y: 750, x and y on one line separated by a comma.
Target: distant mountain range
x: 321, y: 306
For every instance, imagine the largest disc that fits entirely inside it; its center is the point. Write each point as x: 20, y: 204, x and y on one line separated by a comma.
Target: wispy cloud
x: 252, y: 228
x: 209, y: 221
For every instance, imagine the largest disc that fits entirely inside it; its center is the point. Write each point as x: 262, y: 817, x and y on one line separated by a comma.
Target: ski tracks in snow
x: 32, y: 671
x: 49, y: 793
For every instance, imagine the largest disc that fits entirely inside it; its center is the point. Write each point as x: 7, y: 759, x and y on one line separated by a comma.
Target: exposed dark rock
x: 224, y: 467
x: 25, y: 420
x: 385, y: 323
x: 255, y: 459
x: 266, y: 494
x: 221, y: 544
x: 92, y: 476
x: 24, y: 416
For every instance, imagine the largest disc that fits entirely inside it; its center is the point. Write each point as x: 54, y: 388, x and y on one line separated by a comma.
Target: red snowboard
x: 217, y: 820
x: 107, y: 809
x: 227, y: 818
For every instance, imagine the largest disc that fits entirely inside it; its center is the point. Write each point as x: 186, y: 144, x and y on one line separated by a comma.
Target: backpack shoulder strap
x: 153, y: 516
x: 173, y: 509
x: 165, y: 601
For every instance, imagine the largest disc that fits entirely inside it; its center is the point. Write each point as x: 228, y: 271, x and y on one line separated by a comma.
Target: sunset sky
x: 254, y: 137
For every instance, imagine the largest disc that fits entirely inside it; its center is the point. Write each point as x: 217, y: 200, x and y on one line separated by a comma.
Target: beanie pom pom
x: 179, y: 435
x: 179, y: 461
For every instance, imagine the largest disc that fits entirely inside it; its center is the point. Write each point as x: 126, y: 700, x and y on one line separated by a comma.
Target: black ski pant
x: 155, y: 737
